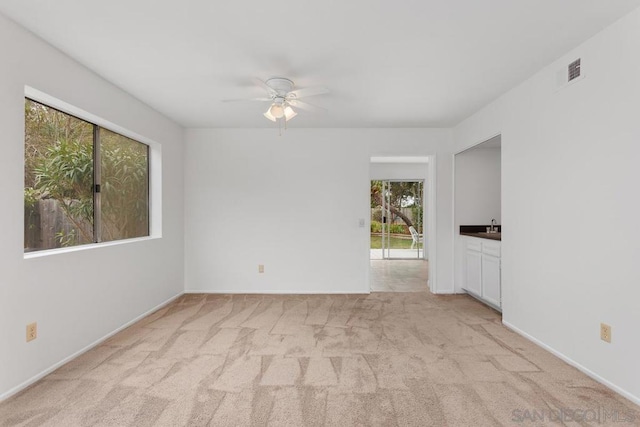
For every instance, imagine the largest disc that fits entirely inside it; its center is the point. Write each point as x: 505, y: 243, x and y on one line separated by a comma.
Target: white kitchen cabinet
x: 474, y: 272
x: 482, y: 270
x: 491, y: 279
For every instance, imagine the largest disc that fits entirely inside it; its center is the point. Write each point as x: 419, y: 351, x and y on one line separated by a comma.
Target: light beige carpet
x: 407, y: 359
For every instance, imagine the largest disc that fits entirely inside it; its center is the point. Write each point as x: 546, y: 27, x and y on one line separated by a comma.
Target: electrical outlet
x: 32, y: 331
x: 260, y: 268
x: 605, y: 332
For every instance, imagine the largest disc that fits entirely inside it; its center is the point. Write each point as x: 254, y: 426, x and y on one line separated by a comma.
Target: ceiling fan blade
x: 308, y: 91
x: 306, y: 106
x: 246, y: 99
x: 263, y: 85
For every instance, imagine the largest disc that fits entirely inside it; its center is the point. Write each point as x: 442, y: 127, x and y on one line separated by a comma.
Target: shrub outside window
x: 83, y: 183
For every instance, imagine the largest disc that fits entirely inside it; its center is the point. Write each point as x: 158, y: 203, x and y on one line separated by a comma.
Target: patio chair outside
x: 417, y: 238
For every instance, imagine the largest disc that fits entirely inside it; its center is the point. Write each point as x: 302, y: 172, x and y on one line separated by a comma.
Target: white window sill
x: 49, y: 252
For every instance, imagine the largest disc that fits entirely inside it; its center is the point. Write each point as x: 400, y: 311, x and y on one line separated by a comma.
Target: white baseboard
x: 621, y: 391
x: 52, y: 368
x: 259, y: 292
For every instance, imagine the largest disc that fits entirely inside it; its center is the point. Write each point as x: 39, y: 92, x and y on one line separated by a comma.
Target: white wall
x: 477, y: 197
x: 293, y: 203
x: 570, y: 203
x: 81, y: 296
x: 477, y: 186
x: 401, y: 171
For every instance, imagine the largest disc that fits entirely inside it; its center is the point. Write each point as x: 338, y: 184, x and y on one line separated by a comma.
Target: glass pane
x: 405, y: 220
x: 124, y: 187
x: 58, y: 179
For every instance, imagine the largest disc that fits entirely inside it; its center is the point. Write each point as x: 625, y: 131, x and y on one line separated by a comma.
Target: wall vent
x: 574, y: 70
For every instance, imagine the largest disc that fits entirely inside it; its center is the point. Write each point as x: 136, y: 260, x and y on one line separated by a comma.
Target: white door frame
x: 430, y: 248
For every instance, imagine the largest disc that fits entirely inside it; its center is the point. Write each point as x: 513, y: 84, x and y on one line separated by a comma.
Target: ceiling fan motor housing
x: 280, y: 85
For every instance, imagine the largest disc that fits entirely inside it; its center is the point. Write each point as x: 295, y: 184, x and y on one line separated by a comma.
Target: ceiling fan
x: 283, y: 96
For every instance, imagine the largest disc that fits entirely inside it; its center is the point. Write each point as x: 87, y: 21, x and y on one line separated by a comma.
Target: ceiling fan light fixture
x: 269, y: 116
x: 289, y: 113
x: 276, y: 110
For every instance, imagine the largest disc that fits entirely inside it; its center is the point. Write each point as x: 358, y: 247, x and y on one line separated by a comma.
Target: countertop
x: 480, y: 232
x: 483, y: 235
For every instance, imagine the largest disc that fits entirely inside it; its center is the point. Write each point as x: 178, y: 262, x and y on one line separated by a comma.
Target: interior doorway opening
x: 402, y: 209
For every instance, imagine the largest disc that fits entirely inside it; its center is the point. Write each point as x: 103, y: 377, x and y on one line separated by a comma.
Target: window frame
x: 154, y: 191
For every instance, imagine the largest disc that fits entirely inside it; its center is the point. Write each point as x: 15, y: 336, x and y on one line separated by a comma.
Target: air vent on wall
x: 568, y: 75
x: 574, y: 70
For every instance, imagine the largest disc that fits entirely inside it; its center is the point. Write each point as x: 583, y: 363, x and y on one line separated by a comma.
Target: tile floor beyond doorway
x: 399, y: 275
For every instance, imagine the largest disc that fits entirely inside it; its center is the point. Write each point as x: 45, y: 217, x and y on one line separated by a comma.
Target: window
x: 83, y: 183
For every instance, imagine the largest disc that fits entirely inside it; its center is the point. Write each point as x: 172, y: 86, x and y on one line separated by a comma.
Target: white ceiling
x: 403, y: 63
x: 402, y: 159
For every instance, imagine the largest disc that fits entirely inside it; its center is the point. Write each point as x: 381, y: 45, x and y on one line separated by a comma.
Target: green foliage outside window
x: 59, y: 181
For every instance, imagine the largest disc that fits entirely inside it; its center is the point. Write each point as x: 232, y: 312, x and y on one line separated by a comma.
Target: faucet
x: 494, y: 223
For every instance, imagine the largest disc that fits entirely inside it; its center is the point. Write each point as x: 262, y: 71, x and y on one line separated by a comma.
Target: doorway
x: 402, y: 186
x: 400, y: 224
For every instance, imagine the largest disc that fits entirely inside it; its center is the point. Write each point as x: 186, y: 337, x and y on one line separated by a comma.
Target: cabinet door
x: 474, y: 276
x: 491, y: 279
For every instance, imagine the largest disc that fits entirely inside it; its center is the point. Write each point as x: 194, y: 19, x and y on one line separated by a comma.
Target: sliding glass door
x: 397, y: 217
